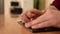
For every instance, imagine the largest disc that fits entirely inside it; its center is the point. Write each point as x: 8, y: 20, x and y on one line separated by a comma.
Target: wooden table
x: 10, y: 26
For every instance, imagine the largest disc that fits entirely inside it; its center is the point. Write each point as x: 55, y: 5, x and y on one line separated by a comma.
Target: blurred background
x: 42, y: 4
x: 13, y: 8
x: 10, y: 11
x: 1, y: 12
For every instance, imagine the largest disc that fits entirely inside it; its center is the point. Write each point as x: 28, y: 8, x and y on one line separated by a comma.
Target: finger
x: 34, y: 12
x: 43, y: 24
x: 34, y: 16
x: 38, y: 20
x: 24, y: 18
x: 46, y: 16
x: 58, y: 26
x: 30, y: 15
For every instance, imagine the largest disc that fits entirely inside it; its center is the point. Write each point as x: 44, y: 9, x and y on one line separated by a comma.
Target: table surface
x: 9, y: 25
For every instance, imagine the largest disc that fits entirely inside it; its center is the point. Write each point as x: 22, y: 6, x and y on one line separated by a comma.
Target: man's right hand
x: 29, y: 15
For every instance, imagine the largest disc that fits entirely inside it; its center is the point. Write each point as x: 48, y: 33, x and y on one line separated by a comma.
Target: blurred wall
x: 1, y: 6
x: 7, y: 9
x: 1, y: 12
x: 48, y: 2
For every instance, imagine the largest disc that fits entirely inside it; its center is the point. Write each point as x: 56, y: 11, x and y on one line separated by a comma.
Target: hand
x: 29, y: 15
x: 50, y: 18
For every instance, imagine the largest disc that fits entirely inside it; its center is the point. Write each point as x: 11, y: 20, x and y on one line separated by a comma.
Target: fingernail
x: 27, y: 25
x: 34, y: 28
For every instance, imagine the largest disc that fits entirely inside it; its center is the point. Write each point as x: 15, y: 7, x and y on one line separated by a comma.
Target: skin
x: 30, y: 15
x: 51, y: 17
